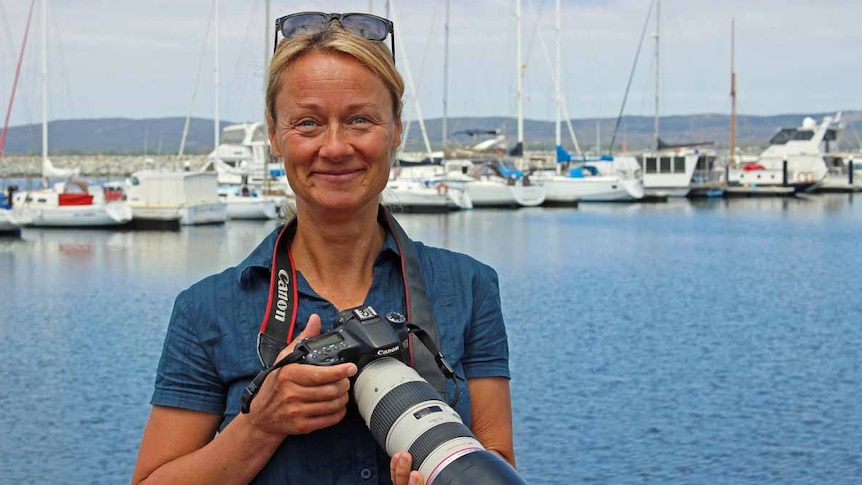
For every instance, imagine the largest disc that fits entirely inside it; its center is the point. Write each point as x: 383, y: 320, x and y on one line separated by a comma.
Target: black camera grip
x: 251, y: 389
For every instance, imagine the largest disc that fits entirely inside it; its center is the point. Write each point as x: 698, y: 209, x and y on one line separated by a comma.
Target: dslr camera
x: 400, y: 408
x: 360, y: 336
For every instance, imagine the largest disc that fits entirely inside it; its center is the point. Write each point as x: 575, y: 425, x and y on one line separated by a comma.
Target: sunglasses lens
x: 303, y: 24
x: 364, y: 26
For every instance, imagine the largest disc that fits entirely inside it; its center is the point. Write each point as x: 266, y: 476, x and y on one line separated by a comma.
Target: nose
x: 336, y: 143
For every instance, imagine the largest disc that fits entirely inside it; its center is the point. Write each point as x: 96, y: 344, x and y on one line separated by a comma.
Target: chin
x: 350, y: 203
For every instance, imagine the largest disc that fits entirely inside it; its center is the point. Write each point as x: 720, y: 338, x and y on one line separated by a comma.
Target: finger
x: 401, y: 462
x: 416, y: 478
x: 307, y: 424
x: 311, y: 376
x: 312, y: 329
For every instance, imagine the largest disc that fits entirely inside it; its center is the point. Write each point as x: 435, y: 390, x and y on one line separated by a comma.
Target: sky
x: 141, y: 58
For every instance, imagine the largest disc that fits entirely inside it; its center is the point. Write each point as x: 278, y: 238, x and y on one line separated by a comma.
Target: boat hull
x: 562, y: 190
x: 175, y: 216
x: 256, y: 208
x: 6, y: 224
x: 112, y: 214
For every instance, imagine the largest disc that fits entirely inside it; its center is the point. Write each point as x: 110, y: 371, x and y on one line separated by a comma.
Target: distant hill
x: 113, y: 136
x: 161, y: 136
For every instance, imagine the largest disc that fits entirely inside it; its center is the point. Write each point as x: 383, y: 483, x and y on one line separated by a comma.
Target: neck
x: 336, y: 255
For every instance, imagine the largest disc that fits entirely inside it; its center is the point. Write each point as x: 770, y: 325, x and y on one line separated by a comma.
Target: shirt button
x: 366, y: 473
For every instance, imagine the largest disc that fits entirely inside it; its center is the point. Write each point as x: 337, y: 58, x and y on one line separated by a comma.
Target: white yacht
x: 416, y: 195
x: 247, y: 202
x: 6, y: 224
x: 173, y: 199
x: 250, y: 182
x: 493, y: 183
x: 669, y: 170
x: 243, y: 157
x: 845, y: 173
x: 73, y: 203
x: 802, y: 150
x: 574, y: 182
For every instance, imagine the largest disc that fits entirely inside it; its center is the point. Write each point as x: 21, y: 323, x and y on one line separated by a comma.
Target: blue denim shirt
x: 209, y: 354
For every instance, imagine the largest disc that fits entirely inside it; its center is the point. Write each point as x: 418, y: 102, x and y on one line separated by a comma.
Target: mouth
x: 339, y: 176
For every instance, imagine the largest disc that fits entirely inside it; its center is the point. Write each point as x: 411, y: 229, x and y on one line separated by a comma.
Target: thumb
x: 312, y: 329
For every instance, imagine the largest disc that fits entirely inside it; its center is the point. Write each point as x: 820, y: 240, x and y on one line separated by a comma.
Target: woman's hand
x: 301, y: 398
x: 399, y: 470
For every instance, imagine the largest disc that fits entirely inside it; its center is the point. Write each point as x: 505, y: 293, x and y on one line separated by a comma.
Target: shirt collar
x: 259, y: 262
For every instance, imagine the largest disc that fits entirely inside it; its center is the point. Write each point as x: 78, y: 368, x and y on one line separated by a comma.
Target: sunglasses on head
x: 364, y: 25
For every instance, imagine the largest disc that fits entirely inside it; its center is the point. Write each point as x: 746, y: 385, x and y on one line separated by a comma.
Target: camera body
x: 360, y: 336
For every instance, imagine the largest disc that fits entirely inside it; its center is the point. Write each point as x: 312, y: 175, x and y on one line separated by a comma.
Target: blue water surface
x: 685, y: 342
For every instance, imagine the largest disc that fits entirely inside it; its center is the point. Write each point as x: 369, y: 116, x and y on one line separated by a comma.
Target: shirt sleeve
x: 486, y: 351
x: 186, y: 377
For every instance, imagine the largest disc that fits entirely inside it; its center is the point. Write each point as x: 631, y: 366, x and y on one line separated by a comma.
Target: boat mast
x: 558, y: 133
x: 732, y: 159
x: 15, y: 82
x: 216, y: 131
x: 446, y: 79
x: 267, y: 157
x: 520, y: 96
x: 44, y: 80
x: 390, y: 13
x: 657, y: 72
x: 266, y: 45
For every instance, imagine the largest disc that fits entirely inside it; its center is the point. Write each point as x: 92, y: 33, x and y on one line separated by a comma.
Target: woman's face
x: 336, y: 131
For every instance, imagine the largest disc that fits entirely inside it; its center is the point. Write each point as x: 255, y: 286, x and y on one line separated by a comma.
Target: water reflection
x: 693, y: 335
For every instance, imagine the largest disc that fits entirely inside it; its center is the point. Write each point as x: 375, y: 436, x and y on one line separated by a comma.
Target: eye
x: 360, y: 120
x: 306, y: 125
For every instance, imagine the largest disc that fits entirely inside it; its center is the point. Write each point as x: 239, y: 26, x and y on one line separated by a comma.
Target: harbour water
x: 686, y: 342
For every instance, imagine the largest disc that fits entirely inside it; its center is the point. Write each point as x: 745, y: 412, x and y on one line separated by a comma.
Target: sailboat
x: 574, y: 182
x: 668, y: 169
x: 488, y: 180
x: 414, y: 183
x: 7, y: 227
x: 169, y: 199
x: 249, y: 183
x: 247, y: 179
x: 72, y: 203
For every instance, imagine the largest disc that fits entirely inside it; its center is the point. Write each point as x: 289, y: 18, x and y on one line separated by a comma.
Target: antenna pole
x: 446, y: 80
x: 657, y: 71
x: 732, y: 159
x: 216, y: 130
x: 520, y: 87
x: 44, y: 80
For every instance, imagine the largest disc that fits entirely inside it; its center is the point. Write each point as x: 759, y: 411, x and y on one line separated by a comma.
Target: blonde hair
x: 373, y: 55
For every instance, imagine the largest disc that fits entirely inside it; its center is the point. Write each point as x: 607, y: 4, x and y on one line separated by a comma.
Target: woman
x: 333, y: 107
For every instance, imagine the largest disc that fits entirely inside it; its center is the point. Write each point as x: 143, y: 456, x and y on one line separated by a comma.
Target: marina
x: 678, y: 295
x: 696, y: 341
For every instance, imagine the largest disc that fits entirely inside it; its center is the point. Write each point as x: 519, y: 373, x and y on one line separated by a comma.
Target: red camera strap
x: 279, y: 320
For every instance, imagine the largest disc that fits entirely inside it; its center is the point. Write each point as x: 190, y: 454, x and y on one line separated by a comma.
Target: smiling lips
x: 338, y: 176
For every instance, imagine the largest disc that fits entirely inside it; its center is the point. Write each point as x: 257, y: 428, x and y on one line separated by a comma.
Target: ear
x: 396, y: 140
x: 274, y: 145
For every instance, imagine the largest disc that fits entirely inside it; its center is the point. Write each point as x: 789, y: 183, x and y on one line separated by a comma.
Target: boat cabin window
x: 783, y: 136
x: 664, y: 165
x: 651, y: 166
x: 831, y: 135
x: 678, y: 164
x: 705, y: 163
x: 233, y: 136
x: 803, y: 135
x: 260, y: 134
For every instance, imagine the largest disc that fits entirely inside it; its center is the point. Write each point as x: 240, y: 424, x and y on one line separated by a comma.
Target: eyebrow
x: 349, y: 106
